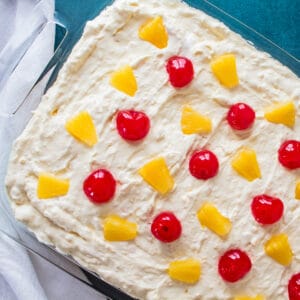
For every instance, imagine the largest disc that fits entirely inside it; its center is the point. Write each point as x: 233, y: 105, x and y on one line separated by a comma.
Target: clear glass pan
x: 14, y: 117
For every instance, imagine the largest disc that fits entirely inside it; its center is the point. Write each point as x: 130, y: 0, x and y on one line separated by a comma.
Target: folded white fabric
x: 26, y: 45
x: 17, y: 277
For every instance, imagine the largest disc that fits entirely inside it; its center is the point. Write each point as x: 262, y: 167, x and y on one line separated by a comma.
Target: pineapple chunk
x: 157, y: 175
x: 224, y: 68
x: 117, y: 229
x: 210, y: 217
x: 297, y: 190
x: 154, y: 32
x: 258, y: 297
x: 82, y: 128
x: 187, y: 271
x: 193, y: 122
x: 278, y: 248
x: 282, y: 113
x: 246, y: 165
x: 50, y: 186
x: 124, y: 80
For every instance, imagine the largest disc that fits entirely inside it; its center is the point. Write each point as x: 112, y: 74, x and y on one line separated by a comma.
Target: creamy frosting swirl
x: 74, y: 225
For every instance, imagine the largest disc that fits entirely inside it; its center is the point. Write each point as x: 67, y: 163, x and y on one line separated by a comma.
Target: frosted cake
x: 166, y: 159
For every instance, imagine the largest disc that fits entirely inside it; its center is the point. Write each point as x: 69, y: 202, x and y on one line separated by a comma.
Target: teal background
x: 278, y: 20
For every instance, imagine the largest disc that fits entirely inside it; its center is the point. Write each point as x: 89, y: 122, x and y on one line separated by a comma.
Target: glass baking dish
x: 14, y: 117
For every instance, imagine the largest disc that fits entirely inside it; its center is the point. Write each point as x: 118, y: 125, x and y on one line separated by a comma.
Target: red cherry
x: 289, y: 154
x: 234, y: 264
x: 240, y: 116
x: 181, y: 71
x: 204, y: 165
x: 132, y: 125
x: 166, y: 227
x: 266, y: 209
x: 294, y: 287
x: 100, y: 186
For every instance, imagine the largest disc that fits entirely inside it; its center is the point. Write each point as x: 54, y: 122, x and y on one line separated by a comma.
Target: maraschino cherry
x: 234, y: 265
x: 240, y: 116
x: 294, y: 287
x: 100, y: 186
x: 266, y: 209
x: 166, y: 227
x: 181, y: 71
x: 289, y: 154
x: 204, y: 165
x: 132, y: 125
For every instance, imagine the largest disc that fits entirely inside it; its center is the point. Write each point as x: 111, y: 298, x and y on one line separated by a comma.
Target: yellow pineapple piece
x: 246, y: 165
x: 124, y: 80
x: 82, y: 128
x: 209, y: 216
x: 224, y: 68
x: 282, y: 113
x: 187, y: 271
x: 297, y: 190
x: 117, y: 229
x: 193, y: 122
x: 278, y: 248
x: 154, y: 32
x: 50, y: 186
x: 258, y: 297
x: 157, y: 175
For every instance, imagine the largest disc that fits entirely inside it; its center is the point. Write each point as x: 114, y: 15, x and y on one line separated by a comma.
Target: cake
x: 165, y: 158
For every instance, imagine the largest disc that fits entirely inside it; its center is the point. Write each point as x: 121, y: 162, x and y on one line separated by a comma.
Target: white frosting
x: 74, y: 225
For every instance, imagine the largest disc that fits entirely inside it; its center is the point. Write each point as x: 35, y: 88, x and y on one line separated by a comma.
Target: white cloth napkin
x: 24, y: 276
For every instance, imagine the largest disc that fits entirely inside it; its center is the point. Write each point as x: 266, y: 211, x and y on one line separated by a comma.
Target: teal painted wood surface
x: 278, y: 20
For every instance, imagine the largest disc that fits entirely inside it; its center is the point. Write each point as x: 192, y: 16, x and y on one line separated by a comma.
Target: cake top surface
x: 81, y: 128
